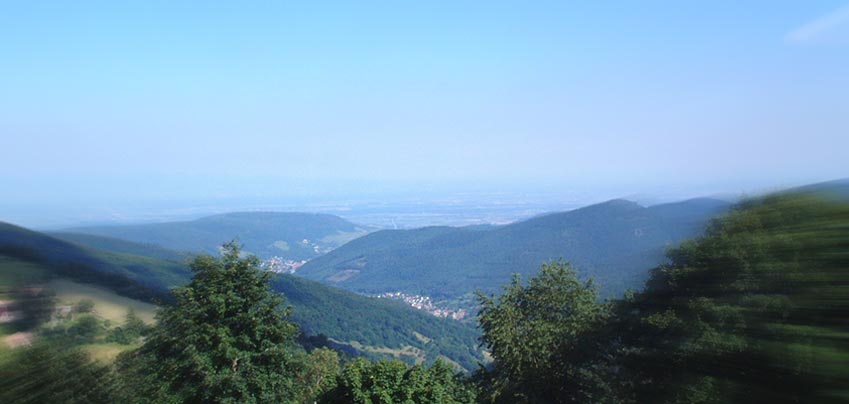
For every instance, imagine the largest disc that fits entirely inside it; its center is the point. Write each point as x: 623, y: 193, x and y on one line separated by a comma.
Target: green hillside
x: 368, y: 326
x: 295, y: 236
x: 130, y: 275
x: 121, y: 246
x: 109, y: 309
x: 615, y: 242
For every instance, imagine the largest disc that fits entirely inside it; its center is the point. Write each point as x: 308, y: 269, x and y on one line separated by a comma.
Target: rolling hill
x: 130, y: 275
x: 121, y: 246
x: 293, y: 236
x: 615, y: 243
x: 368, y: 326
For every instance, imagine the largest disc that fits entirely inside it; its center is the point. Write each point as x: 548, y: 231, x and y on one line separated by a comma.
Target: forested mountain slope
x: 615, y: 243
x: 122, y: 246
x: 131, y: 275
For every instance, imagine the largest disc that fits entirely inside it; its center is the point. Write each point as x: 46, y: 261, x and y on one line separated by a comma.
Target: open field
x: 106, y: 352
x: 407, y: 351
x: 107, y: 304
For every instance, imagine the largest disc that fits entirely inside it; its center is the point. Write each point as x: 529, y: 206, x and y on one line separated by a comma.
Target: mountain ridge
x: 615, y: 242
x: 291, y: 235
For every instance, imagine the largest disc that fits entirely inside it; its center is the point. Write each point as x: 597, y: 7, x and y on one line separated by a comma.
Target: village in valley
x: 282, y: 265
x: 425, y: 303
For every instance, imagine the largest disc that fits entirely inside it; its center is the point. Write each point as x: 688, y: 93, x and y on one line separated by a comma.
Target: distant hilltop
x: 287, y: 235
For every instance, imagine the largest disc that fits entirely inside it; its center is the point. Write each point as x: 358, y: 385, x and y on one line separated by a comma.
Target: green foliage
x: 389, y: 382
x: 84, y: 306
x: 132, y: 329
x: 755, y: 311
x: 47, y: 373
x: 84, y: 329
x: 539, y: 336
x: 226, y: 339
x: 317, y: 373
x: 134, y: 323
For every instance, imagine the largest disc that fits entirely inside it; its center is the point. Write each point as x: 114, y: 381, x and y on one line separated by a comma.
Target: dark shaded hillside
x: 295, y: 236
x: 615, y: 242
x: 373, y: 327
x: 121, y: 246
x: 130, y: 275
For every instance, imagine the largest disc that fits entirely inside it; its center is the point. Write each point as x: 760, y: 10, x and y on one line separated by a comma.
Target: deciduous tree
x: 540, y: 338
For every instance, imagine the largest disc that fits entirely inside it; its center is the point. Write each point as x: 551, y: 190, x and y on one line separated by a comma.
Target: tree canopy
x: 226, y: 339
x: 536, y: 334
x: 388, y: 382
x: 754, y: 311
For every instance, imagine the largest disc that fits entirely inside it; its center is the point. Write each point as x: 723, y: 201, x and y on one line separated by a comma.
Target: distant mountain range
x: 293, y: 236
x: 358, y: 324
x: 615, y: 243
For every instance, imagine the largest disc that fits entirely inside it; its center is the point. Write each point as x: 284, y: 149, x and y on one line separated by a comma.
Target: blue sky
x: 119, y: 101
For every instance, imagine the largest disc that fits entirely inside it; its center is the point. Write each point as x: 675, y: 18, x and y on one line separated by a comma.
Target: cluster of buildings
x: 425, y: 303
x: 282, y: 265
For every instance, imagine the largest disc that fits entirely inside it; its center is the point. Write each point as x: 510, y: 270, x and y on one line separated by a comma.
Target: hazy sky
x: 120, y: 100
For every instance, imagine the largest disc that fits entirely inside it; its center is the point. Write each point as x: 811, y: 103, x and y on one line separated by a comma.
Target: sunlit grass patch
x: 106, y: 352
x: 107, y: 304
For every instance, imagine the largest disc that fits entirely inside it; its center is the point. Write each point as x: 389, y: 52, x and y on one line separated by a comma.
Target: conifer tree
x: 227, y: 339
